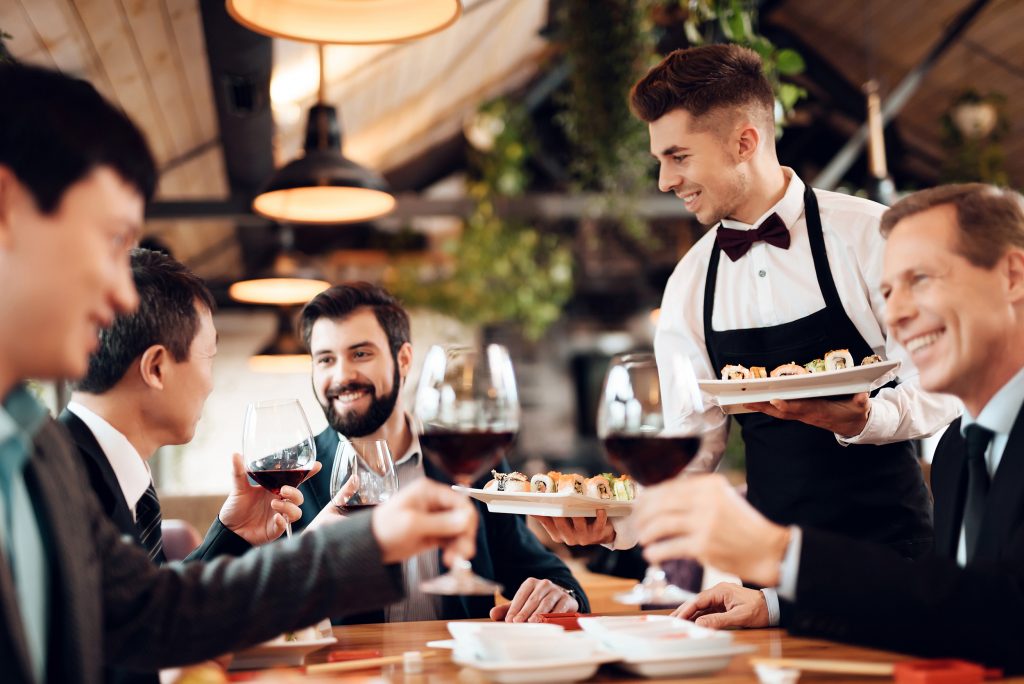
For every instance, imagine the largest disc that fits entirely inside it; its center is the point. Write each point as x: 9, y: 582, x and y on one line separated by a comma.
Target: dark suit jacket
x: 864, y: 593
x: 110, y: 604
x: 219, y: 541
x: 506, y: 551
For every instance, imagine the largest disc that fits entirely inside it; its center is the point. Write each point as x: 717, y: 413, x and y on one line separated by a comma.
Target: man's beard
x: 352, y: 424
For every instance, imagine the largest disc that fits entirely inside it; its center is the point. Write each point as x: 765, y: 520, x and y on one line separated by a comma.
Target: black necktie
x: 735, y: 243
x: 978, y: 439
x: 147, y: 522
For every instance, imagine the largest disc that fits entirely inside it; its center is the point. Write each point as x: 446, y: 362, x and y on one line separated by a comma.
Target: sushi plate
x: 557, y: 505
x: 695, y: 663
x: 526, y: 671
x: 731, y: 395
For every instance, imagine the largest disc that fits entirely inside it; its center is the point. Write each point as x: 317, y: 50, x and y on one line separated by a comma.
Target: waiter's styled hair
x: 990, y: 219
x: 707, y: 80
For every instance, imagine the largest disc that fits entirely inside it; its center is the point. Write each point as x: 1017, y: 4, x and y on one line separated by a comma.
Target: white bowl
x: 656, y: 636
x: 508, y: 641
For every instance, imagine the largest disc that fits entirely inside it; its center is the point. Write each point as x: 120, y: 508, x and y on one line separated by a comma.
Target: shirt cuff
x: 790, y: 568
x: 771, y: 597
x: 877, y: 430
x: 625, y: 535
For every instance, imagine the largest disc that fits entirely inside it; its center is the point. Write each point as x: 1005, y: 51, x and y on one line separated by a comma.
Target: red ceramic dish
x: 568, y: 621
x: 938, y: 672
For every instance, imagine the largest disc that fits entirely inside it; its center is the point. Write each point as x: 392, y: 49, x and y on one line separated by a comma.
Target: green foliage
x: 736, y: 21
x: 502, y: 270
x: 975, y: 159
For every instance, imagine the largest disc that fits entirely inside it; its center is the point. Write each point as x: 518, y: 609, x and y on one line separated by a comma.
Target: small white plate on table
x: 683, y: 664
x: 557, y: 505
x: 730, y: 395
x: 552, y: 671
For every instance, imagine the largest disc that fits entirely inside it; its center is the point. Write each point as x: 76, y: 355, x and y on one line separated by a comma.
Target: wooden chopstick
x: 363, y: 664
x: 820, y: 665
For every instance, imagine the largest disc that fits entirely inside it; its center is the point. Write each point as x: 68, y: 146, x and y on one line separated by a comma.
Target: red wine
x: 275, y: 479
x: 349, y: 509
x: 650, y: 460
x: 466, y: 454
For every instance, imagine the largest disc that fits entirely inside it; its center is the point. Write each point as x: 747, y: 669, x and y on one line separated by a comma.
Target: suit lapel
x: 12, y: 622
x: 1005, y: 495
x: 949, y: 482
x: 320, y: 486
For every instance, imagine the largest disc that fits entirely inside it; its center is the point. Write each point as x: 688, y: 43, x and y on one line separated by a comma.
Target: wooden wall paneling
x: 25, y: 42
x: 187, y: 27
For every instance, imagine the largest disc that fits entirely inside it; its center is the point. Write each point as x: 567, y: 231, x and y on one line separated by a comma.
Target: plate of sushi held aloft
x: 834, y: 375
x: 560, y: 495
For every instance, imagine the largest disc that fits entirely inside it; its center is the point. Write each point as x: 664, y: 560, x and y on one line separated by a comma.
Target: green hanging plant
x: 502, y: 270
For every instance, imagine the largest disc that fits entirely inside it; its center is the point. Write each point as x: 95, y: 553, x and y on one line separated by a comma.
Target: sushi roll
x: 598, y: 487
x: 815, y: 366
x: 868, y: 360
x: 497, y: 483
x: 838, y: 359
x: 516, y: 482
x: 624, y: 489
x: 735, y: 372
x: 788, y: 369
x: 542, y: 484
x: 570, y: 483
x: 758, y: 372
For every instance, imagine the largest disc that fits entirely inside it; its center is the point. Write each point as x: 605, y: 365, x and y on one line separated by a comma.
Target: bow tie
x: 735, y: 243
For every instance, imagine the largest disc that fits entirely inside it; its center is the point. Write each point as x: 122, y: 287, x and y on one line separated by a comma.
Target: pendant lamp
x: 284, y: 353
x: 352, y: 22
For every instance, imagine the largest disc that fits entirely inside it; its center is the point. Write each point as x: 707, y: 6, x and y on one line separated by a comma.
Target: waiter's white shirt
x: 130, y: 469
x: 769, y: 286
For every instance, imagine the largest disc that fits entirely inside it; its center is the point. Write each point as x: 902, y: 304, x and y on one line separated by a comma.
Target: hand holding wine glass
x: 277, y: 445
x: 363, y: 475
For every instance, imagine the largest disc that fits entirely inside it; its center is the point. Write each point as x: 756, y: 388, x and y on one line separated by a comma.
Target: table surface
x: 397, y: 638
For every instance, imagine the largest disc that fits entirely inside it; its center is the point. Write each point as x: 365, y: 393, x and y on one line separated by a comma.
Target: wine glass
x: 639, y: 441
x: 467, y: 413
x: 369, y: 462
x: 277, y: 445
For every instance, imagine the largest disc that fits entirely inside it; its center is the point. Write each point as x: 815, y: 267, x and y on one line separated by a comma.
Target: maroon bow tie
x: 735, y: 243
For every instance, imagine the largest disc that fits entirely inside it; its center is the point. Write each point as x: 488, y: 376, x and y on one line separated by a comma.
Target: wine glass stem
x: 655, y: 577
x: 287, y: 529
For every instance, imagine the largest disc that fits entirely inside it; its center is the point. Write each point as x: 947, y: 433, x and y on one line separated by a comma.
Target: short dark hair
x: 168, y: 296
x: 342, y: 300
x: 703, y: 80
x: 55, y: 130
x: 990, y: 219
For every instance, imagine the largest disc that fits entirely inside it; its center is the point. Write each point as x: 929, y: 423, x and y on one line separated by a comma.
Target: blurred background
x: 525, y: 207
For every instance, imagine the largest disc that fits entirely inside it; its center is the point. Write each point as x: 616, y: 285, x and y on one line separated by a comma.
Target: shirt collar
x: 21, y: 416
x: 130, y: 469
x: 789, y: 208
x: 1001, y: 411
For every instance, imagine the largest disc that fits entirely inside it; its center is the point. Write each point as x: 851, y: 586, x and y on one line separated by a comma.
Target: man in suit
x: 358, y: 335
x: 75, y: 174
x: 145, y: 388
x: 953, y: 280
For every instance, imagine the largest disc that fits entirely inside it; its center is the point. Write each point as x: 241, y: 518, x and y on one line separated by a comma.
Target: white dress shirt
x: 130, y: 469
x: 769, y: 286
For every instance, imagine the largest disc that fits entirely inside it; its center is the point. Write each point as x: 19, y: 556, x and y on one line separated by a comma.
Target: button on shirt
x: 131, y: 471
x: 21, y: 532
x: 770, y: 286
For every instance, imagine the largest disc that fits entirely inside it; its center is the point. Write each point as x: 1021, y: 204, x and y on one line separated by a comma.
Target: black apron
x: 800, y: 474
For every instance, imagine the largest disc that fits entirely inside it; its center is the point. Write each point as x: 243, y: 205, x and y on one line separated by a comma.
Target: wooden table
x: 396, y: 638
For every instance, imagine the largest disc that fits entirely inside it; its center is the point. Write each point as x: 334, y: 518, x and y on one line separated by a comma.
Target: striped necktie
x: 147, y: 522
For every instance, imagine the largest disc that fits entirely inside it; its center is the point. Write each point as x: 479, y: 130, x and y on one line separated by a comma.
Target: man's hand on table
x: 846, y: 418
x: 256, y: 515
x: 534, y: 598
x: 726, y: 605
x: 703, y: 517
x: 425, y: 515
x: 578, y: 531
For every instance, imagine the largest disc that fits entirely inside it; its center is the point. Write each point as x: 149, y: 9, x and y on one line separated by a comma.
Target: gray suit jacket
x: 111, y: 605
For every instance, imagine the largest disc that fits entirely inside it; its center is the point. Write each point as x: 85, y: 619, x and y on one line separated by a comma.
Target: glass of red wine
x: 277, y: 445
x: 365, y: 471
x: 648, y: 445
x: 467, y: 414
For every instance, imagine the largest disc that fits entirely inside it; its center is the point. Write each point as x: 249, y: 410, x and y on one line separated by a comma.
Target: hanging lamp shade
x: 278, y: 291
x: 323, y: 186
x: 352, y: 22
x: 284, y: 353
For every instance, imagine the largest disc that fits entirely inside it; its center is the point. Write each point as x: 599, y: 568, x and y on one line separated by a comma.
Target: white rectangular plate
x: 730, y: 395
x: 557, y: 505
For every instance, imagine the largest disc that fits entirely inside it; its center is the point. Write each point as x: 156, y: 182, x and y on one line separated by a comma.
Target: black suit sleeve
x: 220, y: 541
x: 864, y: 593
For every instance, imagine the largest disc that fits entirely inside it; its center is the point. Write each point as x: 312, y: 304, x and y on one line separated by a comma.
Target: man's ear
x: 404, y: 360
x: 747, y: 142
x: 8, y: 190
x: 1015, y: 275
x: 153, y: 366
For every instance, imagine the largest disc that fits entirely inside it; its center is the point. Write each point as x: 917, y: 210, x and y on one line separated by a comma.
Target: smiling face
x: 704, y: 166
x: 355, y: 377
x: 66, y: 274
x: 956, y: 320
